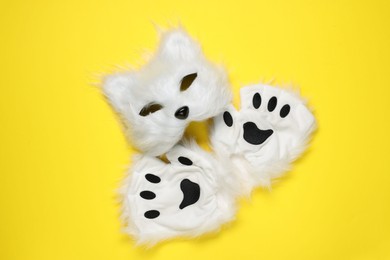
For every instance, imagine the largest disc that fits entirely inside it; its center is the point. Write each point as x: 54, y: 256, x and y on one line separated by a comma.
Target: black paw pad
x: 184, y: 160
x: 148, y: 195
x: 152, y: 214
x: 272, y: 104
x: 284, y: 111
x: 254, y: 135
x: 152, y: 178
x: 191, y: 193
x: 256, y: 101
x: 228, y: 119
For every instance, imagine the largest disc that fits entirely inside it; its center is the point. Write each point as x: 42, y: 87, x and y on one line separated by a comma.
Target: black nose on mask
x: 182, y: 113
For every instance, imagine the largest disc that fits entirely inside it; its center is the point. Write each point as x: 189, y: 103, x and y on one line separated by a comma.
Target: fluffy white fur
x: 158, y: 82
x: 257, y: 164
x: 215, y: 206
x: 194, y: 193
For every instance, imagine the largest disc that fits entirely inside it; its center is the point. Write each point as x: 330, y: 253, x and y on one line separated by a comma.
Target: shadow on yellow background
x: 62, y: 152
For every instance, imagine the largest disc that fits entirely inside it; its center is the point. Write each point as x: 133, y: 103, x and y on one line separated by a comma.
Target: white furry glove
x: 186, y: 197
x: 261, y: 140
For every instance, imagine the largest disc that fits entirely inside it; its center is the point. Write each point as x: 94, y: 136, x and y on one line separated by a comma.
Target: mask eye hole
x: 149, y: 109
x: 187, y: 80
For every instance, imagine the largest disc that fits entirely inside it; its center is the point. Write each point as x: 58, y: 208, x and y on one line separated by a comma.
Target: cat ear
x: 178, y: 45
x: 117, y: 88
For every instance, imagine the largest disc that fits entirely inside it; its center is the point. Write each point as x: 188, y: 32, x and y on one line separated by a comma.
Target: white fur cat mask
x: 177, y: 86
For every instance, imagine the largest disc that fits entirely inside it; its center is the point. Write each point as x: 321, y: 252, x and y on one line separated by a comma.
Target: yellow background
x: 62, y: 152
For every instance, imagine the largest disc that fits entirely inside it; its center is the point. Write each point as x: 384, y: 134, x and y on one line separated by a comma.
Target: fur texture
x: 186, y: 197
x: 195, y: 192
x: 261, y: 140
x: 177, y: 86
